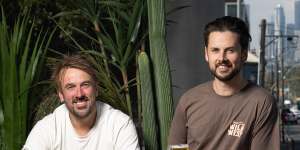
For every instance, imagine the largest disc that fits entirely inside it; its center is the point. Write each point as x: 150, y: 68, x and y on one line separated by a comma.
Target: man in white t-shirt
x: 81, y: 123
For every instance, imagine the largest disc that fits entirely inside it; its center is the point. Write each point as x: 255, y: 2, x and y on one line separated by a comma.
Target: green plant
x: 159, y: 58
x: 48, y: 105
x: 148, y: 103
x: 116, y: 36
x: 111, y: 31
x: 20, y: 55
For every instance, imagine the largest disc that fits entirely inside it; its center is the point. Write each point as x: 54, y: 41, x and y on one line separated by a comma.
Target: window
x: 231, y: 9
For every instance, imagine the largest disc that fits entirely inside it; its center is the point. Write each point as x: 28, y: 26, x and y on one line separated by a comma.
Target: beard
x: 81, y: 113
x: 229, y: 75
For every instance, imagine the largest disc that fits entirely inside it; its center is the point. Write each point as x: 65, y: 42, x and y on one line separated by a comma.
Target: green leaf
x: 19, y: 64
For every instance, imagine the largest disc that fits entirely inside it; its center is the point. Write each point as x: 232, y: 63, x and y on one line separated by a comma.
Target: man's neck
x: 228, y: 88
x: 83, y: 125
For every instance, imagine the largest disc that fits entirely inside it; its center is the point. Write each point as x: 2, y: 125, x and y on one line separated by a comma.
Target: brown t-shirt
x: 247, y: 120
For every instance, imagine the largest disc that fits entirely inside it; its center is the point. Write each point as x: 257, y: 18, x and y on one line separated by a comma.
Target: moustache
x: 224, y: 62
x: 80, y: 99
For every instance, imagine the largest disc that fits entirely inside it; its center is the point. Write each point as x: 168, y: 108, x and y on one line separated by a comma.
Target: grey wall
x: 185, y: 23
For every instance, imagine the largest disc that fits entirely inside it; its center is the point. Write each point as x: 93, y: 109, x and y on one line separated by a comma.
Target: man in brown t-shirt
x: 228, y: 113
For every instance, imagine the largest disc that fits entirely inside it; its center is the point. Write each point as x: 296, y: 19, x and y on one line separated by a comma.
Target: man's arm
x: 266, y: 131
x: 178, y: 131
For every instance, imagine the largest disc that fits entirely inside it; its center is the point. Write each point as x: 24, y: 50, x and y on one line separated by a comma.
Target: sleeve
x: 178, y: 130
x: 266, y: 130
x: 38, y: 138
x: 126, y: 135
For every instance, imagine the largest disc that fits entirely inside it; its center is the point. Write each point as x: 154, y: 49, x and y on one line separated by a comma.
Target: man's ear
x: 206, y: 55
x: 244, y: 55
x: 61, y: 97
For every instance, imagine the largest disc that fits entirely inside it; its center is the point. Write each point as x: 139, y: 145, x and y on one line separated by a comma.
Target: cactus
x: 148, y: 106
x: 159, y: 59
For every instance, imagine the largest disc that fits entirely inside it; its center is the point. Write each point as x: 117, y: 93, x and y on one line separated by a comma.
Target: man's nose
x: 222, y: 56
x: 79, y: 92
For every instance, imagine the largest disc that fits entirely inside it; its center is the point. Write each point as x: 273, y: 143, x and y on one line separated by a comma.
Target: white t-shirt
x: 113, y: 130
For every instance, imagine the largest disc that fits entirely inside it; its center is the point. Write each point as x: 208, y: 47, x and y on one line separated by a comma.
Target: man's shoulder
x: 56, y: 115
x: 259, y: 95
x: 53, y: 118
x: 258, y: 91
x: 117, y: 126
x: 111, y: 114
x: 257, y: 88
x: 44, y: 130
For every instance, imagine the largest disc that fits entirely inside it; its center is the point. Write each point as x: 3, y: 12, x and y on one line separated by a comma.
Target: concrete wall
x: 185, y: 23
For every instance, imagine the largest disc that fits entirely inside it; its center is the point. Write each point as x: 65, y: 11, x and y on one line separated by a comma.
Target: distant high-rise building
x: 258, y: 10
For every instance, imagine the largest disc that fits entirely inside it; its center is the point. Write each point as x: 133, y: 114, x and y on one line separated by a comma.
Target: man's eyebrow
x: 87, y: 81
x: 69, y: 84
x: 214, y: 48
x: 232, y: 47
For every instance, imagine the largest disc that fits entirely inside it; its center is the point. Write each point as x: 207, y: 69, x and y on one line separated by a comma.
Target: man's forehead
x: 227, y: 33
x: 227, y: 37
x: 74, y: 74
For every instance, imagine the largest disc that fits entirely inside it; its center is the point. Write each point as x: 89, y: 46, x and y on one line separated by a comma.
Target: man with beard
x: 228, y: 113
x: 81, y: 123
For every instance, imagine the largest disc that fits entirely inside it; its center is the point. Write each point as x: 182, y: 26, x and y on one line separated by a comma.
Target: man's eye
x: 214, y: 50
x: 69, y: 87
x: 86, y: 85
x: 230, y: 50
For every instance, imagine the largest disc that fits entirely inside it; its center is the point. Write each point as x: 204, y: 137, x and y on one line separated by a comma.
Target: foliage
x: 148, y: 103
x: 20, y: 57
x: 115, y: 34
x: 47, y: 106
x: 111, y: 32
x: 159, y: 58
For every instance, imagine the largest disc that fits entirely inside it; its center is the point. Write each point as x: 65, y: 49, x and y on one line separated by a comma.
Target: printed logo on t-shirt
x: 236, y: 129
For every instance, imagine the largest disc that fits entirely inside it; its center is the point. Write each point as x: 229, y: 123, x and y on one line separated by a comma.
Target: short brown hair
x: 78, y: 61
x: 228, y: 23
